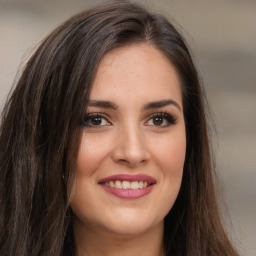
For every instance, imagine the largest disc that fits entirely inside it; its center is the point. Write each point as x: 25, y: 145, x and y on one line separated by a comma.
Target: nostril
x: 130, y: 152
x: 128, y: 163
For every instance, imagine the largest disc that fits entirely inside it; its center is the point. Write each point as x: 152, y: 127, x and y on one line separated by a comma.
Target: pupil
x: 96, y: 120
x: 158, y: 120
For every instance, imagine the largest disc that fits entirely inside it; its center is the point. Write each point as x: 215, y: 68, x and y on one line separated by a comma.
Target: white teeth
x: 140, y: 185
x: 134, y: 185
x: 118, y: 184
x: 126, y: 184
x: 112, y: 184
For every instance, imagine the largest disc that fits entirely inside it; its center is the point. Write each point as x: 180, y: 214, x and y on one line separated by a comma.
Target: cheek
x: 169, y: 154
x: 92, y: 150
x: 172, y: 163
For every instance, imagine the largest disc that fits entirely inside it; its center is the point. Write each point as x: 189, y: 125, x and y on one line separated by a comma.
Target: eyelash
x: 164, y: 115
x: 170, y: 118
x: 88, y: 117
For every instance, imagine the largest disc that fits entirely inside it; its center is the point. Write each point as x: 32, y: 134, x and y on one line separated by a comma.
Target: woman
x: 104, y: 146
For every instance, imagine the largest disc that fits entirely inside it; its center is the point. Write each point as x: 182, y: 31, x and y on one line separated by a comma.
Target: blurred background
x: 222, y: 37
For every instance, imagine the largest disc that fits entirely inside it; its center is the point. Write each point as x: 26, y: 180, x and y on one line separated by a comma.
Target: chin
x: 129, y: 230
x: 130, y: 224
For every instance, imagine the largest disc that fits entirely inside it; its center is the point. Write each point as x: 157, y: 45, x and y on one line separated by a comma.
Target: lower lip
x: 129, y: 193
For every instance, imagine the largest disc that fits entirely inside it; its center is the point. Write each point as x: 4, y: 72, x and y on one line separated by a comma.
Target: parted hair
x: 40, y: 133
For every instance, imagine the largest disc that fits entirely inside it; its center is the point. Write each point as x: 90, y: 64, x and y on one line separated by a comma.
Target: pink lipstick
x: 128, y: 186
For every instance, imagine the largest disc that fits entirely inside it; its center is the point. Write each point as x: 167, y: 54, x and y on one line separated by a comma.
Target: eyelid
x: 96, y: 114
x: 170, y: 118
x: 167, y: 116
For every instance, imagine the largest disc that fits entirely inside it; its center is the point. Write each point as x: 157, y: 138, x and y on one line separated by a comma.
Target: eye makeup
x: 161, y: 119
x: 95, y: 120
x: 158, y: 119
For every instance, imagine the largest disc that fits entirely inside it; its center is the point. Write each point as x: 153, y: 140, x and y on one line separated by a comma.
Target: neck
x: 92, y: 242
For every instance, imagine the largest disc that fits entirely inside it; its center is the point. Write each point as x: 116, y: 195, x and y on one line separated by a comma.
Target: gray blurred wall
x: 222, y: 36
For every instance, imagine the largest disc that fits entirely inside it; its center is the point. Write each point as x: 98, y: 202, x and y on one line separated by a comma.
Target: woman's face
x: 131, y: 154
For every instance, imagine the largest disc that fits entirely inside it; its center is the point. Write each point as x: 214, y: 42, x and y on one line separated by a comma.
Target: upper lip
x: 129, y: 177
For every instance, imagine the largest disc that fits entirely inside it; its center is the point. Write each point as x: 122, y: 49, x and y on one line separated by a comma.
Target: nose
x: 130, y: 147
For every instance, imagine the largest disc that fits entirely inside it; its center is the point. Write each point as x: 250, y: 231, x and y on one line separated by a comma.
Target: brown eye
x: 157, y: 120
x: 161, y: 120
x: 94, y: 120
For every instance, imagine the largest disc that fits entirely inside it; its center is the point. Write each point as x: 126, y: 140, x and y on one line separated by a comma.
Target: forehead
x: 138, y: 71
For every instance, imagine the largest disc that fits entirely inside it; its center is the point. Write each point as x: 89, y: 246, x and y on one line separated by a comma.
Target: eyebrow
x: 102, y: 104
x: 150, y: 105
x: 161, y: 103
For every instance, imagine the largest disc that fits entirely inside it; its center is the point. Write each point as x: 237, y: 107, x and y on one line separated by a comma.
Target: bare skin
x: 102, y: 243
x: 134, y: 125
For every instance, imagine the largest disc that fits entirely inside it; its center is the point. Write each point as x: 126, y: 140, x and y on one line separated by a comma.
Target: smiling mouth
x: 126, y: 184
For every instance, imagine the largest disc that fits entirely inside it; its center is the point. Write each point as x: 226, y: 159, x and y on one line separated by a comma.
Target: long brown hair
x: 40, y: 133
